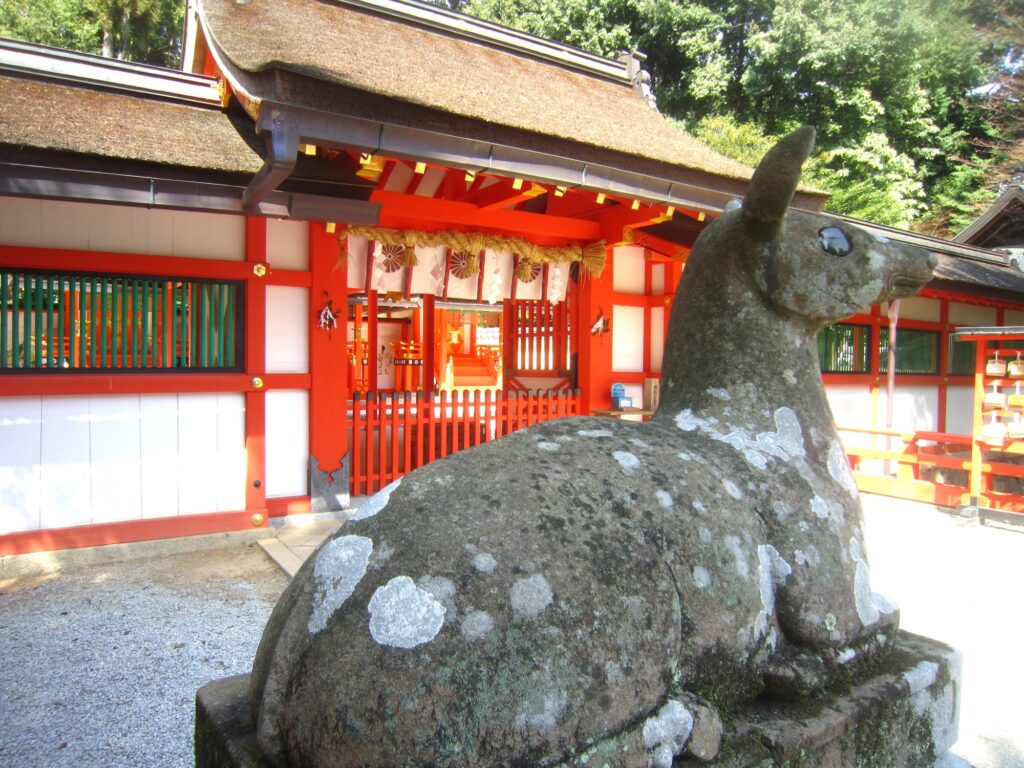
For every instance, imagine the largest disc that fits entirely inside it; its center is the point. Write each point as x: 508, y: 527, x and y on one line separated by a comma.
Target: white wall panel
x: 960, y: 410
x: 970, y: 314
x: 65, y: 475
x: 914, y: 408
x: 531, y: 291
x: 114, y: 458
x: 287, y: 442
x: 288, y: 323
x: 231, y: 452
x: 628, y: 269
x: 197, y: 453
x: 917, y: 308
x: 288, y: 244
x: 158, y: 442
x: 20, y: 477
x: 657, y: 338
x: 121, y: 229
x: 657, y: 279
x: 627, y: 339
x: 1013, y: 317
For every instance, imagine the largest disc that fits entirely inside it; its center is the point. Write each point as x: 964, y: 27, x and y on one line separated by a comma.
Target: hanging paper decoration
x: 527, y: 271
x: 464, y: 264
x: 592, y: 256
x: 556, y: 284
x: 497, y: 285
x: 328, y: 318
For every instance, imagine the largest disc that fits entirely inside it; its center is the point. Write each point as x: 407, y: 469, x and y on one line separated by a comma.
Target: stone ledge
x: 905, y: 716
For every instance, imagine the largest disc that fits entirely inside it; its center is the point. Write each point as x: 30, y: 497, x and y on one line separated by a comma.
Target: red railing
x: 934, y: 467
x: 392, y: 434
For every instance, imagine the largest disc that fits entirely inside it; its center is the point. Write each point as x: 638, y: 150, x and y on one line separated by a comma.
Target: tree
x: 147, y: 31
x: 886, y: 82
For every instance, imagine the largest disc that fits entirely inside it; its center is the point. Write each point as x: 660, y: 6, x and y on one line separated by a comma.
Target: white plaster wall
x: 287, y: 442
x: 971, y: 314
x: 917, y: 308
x: 851, y: 407
x: 1013, y: 317
x: 657, y: 338
x: 288, y: 324
x: 355, y: 252
x: 960, y: 410
x: 627, y: 339
x: 657, y: 279
x: 288, y: 244
x: 531, y: 291
x: 67, y: 461
x: 914, y: 408
x: 628, y: 269
x: 120, y: 229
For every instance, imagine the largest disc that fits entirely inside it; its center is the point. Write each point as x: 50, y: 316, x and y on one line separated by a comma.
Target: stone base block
x: 904, y: 716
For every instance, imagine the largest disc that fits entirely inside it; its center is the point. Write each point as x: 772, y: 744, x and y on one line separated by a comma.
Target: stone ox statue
x: 589, y: 591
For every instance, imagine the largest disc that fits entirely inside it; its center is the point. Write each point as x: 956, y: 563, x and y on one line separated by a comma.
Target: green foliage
x: 885, y: 82
x: 147, y: 31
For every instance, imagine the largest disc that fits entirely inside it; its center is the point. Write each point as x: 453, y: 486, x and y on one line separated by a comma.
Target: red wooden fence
x: 392, y: 434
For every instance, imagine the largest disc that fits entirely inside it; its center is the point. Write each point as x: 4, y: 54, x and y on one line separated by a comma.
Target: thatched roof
x: 53, y: 116
x: 451, y: 74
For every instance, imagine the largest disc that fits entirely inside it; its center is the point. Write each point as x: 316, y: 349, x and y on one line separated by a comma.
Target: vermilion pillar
x: 255, y: 367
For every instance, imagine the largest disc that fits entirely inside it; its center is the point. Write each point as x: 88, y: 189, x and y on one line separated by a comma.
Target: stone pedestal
x: 904, y: 716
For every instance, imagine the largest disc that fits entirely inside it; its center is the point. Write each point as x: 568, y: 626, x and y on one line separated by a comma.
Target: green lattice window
x: 916, y: 351
x: 77, y: 322
x: 843, y: 348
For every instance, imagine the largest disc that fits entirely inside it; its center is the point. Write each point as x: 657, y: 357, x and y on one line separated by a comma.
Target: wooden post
x: 255, y: 368
x: 328, y: 440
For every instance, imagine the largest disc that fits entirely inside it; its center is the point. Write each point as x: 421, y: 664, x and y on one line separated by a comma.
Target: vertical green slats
x: 230, y: 343
x: 193, y: 316
x: 36, y: 327
x: 172, y: 310
x: 204, y: 358
x: 15, y: 331
x: 221, y: 324
x: 126, y: 323
x: 82, y: 361
x: 4, y: 315
x: 94, y: 326
x: 158, y: 329
x: 146, y: 288
x: 136, y: 317
x: 31, y: 318
x: 117, y: 323
x: 61, y: 329
x: 101, y: 327
x: 46, y: 316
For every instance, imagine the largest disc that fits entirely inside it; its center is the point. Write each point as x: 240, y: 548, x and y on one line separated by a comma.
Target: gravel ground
x: 101, y: 663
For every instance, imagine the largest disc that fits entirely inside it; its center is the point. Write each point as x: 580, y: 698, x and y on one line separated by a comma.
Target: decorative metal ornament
x: 527, y: 271
x: 464, y: 264
x: 391, y: 257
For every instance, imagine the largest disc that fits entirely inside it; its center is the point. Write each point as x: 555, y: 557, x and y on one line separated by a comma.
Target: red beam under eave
x: 667, y: 248
x: 414, y: 212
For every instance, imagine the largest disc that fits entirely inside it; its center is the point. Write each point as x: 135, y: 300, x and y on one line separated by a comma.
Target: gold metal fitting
x: 257, y: 520
x: 257, y: 382
x: 259, y: 270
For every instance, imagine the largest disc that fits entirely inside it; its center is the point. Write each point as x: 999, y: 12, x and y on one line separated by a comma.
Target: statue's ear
x: 774, y: 182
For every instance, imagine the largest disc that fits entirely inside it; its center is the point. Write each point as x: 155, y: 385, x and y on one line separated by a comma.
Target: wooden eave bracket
x: 281, y: 132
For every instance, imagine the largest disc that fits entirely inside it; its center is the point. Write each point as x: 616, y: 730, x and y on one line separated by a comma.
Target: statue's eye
x: 834, y: 241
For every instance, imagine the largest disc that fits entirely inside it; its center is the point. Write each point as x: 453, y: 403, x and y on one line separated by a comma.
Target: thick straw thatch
x: 86, y: 121
x: 342, y: 45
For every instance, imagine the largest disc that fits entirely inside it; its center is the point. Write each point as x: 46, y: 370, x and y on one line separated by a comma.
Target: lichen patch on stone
x: 701, y: 577
x: 664, y: 498
x: 377, y: 502
x: 530, y: 596
x: 665, y: 733
x: 477, y: 625
x: 628, y: 461
x: 594, y: 433
x: 339, y: 566
x: 403, y: 615
x: 550, y: 447
x: 485, y: 563
x: 732, y: 489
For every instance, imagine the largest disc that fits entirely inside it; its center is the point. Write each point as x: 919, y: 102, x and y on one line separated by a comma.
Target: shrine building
x: 350, y: 238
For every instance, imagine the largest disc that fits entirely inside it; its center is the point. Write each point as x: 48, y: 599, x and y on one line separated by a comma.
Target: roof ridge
x: 496, y: 35
x: 90, y: 70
